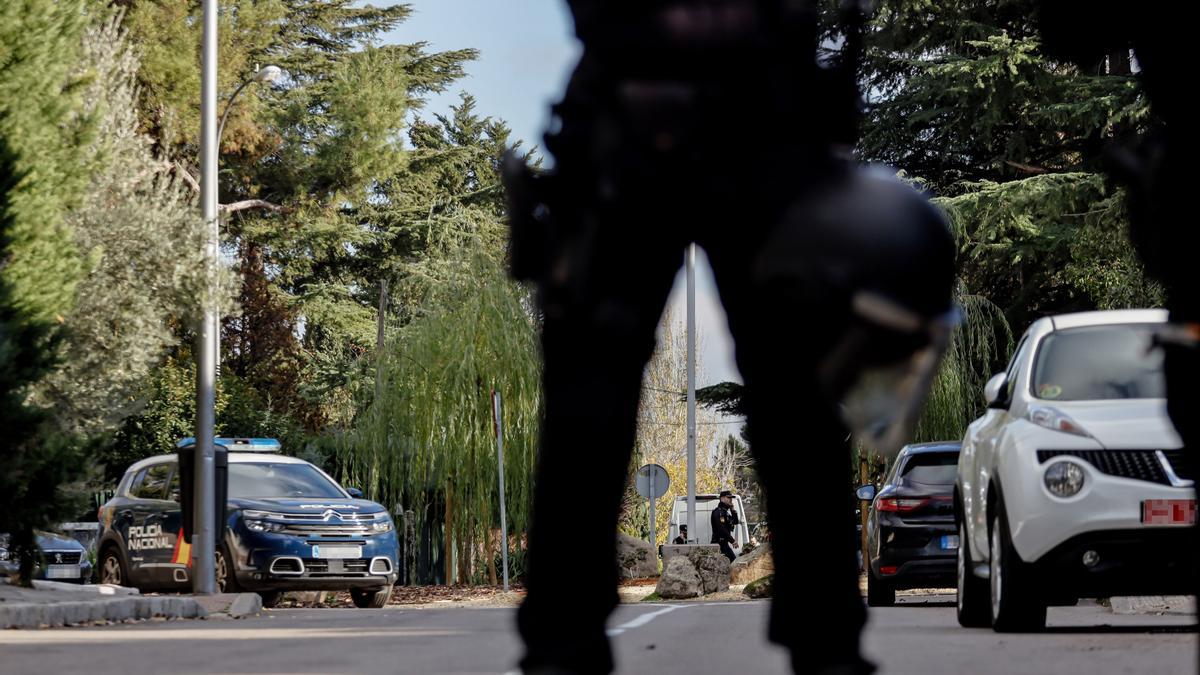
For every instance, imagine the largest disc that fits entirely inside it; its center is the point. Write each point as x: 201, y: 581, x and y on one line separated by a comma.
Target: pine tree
x: 961, y: 97
x: 43, y: 130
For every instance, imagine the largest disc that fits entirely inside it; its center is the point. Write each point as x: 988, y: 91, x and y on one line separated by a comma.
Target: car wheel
x: 371, y: 599
x: 112, y: 568
x: 973, y: 610
x: 224, y: 572
x: 879, y: 592
x: 1016, y: 603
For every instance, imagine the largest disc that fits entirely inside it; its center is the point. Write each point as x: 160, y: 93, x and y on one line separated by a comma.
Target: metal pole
x: 216, y: 332
x: 203, y: 544
x: 383, y: 299
x: 496, y: 414
x: 864, y: 477
x: 653, y: 532
x: 691, y: 390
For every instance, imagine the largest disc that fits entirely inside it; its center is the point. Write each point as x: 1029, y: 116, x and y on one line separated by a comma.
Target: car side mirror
x: 865, y: 493
x: 995, y: 392
x: 355, y: 493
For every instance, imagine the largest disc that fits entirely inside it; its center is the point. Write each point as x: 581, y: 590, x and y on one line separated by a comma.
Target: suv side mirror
x: 355, y: 493
x: 865, y: 493
x: 995, y: 392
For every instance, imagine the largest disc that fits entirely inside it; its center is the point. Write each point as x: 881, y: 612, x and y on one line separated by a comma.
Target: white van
x: 704, y: 508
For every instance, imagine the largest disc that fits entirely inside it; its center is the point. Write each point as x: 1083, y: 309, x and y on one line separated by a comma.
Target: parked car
x: 62, y: 559
x: 1074, y: 483
x: 911, y: 540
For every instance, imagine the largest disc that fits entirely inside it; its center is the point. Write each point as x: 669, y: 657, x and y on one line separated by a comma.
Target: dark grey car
x: 63, y: 559
x: 911, y: 537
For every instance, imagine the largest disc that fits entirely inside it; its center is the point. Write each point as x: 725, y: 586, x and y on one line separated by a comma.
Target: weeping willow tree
x: 427, y: 444
x: 979, y: 345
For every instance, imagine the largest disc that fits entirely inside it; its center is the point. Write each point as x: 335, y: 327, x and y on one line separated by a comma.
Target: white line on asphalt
x: 198, y: 632
x: 635, y: 623
x: 642, y: 620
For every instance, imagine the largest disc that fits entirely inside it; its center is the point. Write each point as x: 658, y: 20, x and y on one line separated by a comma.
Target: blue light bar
x: 239, y: 444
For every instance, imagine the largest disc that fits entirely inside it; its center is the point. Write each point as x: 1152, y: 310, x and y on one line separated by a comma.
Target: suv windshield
x: 280, y: 480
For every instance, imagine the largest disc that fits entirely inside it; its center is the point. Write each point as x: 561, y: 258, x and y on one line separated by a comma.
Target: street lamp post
x: 204, y: 495
x: 691, y: 389
x: 264, y: 75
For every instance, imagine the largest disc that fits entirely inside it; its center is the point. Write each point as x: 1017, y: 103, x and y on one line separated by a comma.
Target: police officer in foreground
x: 724, y: 520
x: 713, y: 123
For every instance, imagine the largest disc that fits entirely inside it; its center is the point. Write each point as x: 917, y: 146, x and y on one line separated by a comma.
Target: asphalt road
x: 914, y: 638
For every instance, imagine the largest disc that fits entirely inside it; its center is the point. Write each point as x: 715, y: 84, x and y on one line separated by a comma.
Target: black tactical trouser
x: 727, y: 551
x: 596, y: 345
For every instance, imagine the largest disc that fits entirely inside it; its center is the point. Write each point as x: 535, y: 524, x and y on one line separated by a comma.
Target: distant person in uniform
x: 682, y: 538
x: 724, y: 519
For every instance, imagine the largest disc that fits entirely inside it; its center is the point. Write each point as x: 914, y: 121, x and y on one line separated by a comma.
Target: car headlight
x: 1064, y: 479
x: 3, y: 555
x: 381, y: 524
x: 1054, y: 419
x: 256, y: 525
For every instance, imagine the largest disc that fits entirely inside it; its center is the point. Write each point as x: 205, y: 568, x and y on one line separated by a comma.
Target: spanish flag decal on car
x: 183, y: 551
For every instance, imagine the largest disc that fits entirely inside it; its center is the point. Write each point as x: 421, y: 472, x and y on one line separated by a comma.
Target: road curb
x: 88, y: 589
x: 1154, y: 604
x: 74, y: 613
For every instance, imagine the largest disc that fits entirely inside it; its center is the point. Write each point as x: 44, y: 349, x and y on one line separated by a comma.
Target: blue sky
x: 527, y: 53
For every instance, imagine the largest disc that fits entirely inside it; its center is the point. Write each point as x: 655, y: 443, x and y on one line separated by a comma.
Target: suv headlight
x: 381, y: 524
x: 1064, y: 479
x: 1056, y: 420
x: 255, y: 525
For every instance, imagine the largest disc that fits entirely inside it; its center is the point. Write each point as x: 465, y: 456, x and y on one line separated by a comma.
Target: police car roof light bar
x: 240, y: 444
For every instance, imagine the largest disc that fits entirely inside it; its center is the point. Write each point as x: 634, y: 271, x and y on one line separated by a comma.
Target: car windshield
x: 1099, y: 363
x: 931, y: 468
x: 267, y: 479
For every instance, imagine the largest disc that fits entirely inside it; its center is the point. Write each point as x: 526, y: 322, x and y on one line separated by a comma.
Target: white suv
x: 1073, y: 483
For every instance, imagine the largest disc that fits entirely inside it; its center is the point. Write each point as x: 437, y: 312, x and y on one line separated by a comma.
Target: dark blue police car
x: 290, y: 527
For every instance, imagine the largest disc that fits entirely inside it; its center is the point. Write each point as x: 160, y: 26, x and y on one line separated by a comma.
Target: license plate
x: 326, y: 552
x: 1169, y: 511
x: 950, y: 541
x: 62, y: 571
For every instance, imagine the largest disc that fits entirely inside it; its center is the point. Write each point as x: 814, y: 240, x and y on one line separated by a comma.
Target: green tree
x: 312, y: 167
x: 43, y: 131
x: 427, y: 443
x: 141, y: 239
x: 961, y: 97
x: 662, y: 436
x: 42, y: 120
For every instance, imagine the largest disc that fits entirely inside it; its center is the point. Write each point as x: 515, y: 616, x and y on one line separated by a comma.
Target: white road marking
x: 642, y: 620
